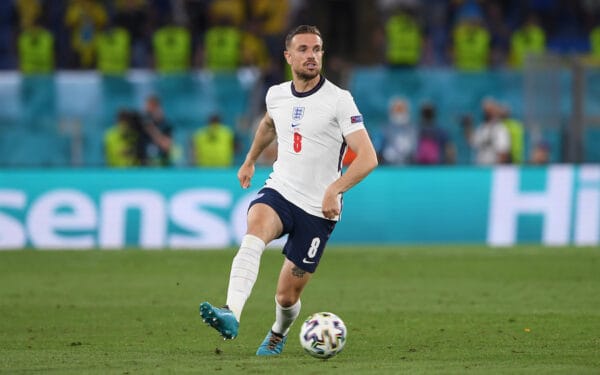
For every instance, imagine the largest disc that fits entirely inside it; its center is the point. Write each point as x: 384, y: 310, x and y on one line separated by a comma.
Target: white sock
x: 285, y: 317
x: 244, y: 271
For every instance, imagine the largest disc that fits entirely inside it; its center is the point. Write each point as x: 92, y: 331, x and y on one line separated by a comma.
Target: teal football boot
x: 272, y: 345
x: 221, y: 319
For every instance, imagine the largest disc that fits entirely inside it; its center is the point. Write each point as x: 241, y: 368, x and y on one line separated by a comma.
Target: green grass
x: 450, y: 310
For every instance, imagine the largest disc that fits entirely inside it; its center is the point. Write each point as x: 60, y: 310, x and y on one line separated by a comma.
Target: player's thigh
x: 264, y: 222
x: 306, y: 243
x: 292, y: 280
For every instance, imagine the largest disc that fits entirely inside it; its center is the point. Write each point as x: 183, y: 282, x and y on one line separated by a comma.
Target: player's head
x: 304, y: 51
x: 399, y: 111
x: 152, y: 103
x: 154, y: 107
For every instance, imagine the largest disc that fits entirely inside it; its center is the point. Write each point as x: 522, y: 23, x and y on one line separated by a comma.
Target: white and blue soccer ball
x: 323, y: 335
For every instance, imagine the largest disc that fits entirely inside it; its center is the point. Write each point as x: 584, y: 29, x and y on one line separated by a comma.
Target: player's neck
x: 301, y: 85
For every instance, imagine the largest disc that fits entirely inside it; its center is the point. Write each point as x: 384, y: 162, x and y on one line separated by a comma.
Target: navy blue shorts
x: 307, y: 234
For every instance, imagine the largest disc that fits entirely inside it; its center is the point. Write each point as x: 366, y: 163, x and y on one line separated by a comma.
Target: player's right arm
x: 265, y: 134
x: 364, y: 162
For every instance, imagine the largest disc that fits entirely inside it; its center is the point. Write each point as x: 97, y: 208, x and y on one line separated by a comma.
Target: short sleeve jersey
x: 311, y: 129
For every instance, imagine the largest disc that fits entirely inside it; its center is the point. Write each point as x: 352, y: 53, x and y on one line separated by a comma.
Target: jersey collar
x: 309, y: 92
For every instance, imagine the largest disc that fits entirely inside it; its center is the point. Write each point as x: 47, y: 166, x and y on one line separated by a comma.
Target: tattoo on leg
x: 297, y: 272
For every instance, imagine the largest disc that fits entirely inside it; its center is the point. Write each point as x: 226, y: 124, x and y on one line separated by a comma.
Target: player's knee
x: 264, y: 222
x: 287, y: 299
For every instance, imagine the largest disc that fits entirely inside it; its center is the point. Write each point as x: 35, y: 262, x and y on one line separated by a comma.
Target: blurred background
x: 70, y: 70
x: 122, y: 122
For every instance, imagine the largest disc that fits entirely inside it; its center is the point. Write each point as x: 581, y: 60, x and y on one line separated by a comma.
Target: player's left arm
x: 361, y: 166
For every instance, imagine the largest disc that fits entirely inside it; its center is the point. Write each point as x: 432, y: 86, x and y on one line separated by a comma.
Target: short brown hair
x: 302, y: 29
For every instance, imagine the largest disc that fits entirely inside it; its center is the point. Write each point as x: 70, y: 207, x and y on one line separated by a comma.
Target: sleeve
x: 269, y: 101
x: 348, y: 116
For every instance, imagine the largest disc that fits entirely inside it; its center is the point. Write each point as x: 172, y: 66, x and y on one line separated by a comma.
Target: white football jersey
x: 310, y: 127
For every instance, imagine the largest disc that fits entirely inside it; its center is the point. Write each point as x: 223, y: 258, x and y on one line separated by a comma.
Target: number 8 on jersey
x: 297, y: 142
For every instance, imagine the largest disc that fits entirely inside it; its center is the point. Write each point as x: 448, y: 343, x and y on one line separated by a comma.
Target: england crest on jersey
x: 297, y: 113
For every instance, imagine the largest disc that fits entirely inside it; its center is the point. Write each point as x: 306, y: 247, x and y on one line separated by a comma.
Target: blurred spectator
x: 36, y: 50
x: 254, y: 49
x: 197, y: 21
x: 500, y: 33
x: 29, y: 12
x: 490, y: 140
x: 132, y: 15
x: 540, y: 155
x: 595, y: 44
x: 516, y: 133
x: 172, y: 48
x: 433, y: 143
x: 403, y: 38
x: 113, y: 50
x: 567, y: 27
x: 272, y: 17
x: 214, y: 144
x: 233, y: 10
x: 85, y: 18
x: 222, y: 45
x: 7, y: 35
x: 121, y: 141
x: 436, y: 32
x: 399, y: 135
x: 157, y: 141
x: 529, y: 39
x: 471, y: 40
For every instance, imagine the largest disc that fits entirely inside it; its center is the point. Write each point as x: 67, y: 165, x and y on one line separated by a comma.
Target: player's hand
x: 331, y: 206
x: 245, y: 174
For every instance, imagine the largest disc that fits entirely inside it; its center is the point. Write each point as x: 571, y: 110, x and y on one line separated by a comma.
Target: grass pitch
x: 530, y: 310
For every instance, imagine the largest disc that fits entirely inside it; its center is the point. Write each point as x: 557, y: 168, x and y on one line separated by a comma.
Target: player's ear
x: 288, y: 57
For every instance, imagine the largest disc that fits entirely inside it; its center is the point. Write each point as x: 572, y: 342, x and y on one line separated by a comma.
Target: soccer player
x: 314, y: 121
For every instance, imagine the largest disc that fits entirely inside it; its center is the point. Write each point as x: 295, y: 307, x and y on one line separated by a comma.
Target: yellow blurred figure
x: 234, y: 10
x: 36, y: 51
x: 272, y: 15
x: 471, y: 46
x: 113, y: 47
x: 172, y: 49
x: 29, y: 12
x: 85, y: 18
x: 214, y: 144
x: 595, y: 44
x: 254, y: 49
x: 404, y: 40
x: 529, y: 39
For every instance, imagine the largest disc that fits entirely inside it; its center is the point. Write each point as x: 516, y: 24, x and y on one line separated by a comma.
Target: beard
x: 307, y: 75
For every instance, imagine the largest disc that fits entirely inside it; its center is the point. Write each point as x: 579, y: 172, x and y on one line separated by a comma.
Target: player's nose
x: 310, y: 54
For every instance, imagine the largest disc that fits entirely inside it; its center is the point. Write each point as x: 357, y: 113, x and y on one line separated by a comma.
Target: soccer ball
x: 323, y: 335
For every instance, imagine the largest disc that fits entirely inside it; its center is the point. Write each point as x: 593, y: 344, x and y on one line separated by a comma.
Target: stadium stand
x: 60, y: 120
x: 68, y: 111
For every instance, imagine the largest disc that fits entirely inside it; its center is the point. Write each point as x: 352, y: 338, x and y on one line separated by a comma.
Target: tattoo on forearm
x: 297, y: 272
